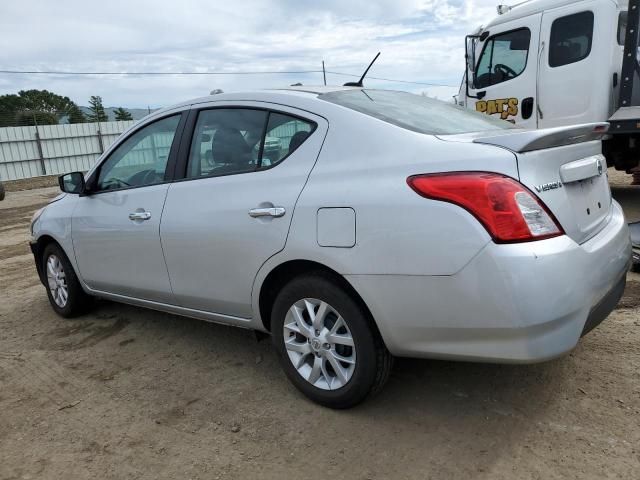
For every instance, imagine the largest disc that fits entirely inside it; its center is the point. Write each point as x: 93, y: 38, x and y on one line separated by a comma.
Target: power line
x: 394, y: 80
x: 271, y: 72
x: 58, y: 72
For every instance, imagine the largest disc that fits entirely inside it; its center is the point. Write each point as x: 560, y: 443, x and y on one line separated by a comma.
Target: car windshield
x: 415, y: 112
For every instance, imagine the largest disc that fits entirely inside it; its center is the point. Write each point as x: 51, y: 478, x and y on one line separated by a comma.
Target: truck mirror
x: 470, y: 51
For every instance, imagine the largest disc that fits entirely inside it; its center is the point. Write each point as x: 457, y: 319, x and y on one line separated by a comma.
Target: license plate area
x: 591, y: 202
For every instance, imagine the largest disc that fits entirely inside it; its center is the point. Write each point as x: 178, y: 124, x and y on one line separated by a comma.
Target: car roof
x: 298, y: 92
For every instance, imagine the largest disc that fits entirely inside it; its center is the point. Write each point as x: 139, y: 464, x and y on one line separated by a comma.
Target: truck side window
x: 504, y: 57
x: 571, y: 39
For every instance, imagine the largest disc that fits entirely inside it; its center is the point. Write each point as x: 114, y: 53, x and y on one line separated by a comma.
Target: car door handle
x: 139, y: 216
x: 267, y: 212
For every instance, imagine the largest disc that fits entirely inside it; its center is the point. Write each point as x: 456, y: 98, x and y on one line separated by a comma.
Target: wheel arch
x: 285, y: 272
x: 38, y: 250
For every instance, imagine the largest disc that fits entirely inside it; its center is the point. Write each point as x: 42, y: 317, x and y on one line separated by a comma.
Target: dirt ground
x: 129, y: 393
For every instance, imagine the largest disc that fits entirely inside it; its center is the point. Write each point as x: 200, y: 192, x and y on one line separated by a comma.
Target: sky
x: 420, y: 41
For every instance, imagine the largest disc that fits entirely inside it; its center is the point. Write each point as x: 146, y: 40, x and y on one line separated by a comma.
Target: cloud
x: 420, y: 40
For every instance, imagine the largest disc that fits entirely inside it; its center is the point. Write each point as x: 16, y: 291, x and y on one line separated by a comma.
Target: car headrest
x: 297, y: 139
x: 228, y: 145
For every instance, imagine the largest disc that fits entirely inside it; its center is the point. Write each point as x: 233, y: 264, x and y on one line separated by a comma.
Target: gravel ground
x: 129, y: 393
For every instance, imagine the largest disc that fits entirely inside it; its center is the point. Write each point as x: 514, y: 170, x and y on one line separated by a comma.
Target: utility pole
x: 100, y: 139
x: 324, y: 74
x: 43, y: 168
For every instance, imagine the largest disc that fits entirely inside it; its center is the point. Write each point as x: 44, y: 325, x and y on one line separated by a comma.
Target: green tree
x: 31, y: 117
x: 122, y: 114
x: 96, y: 109
x: 75, y: 115
x: 33, y: 106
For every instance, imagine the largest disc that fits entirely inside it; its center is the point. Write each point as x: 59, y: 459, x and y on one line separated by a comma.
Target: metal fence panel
x: 54, y: 149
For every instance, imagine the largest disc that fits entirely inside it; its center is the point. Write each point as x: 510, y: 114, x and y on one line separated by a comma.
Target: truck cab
x: 551, y: 63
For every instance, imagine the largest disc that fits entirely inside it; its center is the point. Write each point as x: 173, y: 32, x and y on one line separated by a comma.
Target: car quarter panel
x: 364, y: 165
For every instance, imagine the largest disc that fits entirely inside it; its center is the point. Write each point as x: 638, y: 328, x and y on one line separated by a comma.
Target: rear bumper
x: 605, y: 306
x: 521, y: 303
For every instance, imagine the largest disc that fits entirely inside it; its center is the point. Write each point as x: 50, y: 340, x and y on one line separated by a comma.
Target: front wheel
x: 65, y: 293
x: 327, y: 346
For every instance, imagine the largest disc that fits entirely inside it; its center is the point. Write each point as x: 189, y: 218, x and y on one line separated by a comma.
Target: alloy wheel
x: 319, y: 344
x: 57, y: 281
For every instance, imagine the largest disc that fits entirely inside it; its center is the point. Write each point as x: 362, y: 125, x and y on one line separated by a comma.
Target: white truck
x: 551, y: 63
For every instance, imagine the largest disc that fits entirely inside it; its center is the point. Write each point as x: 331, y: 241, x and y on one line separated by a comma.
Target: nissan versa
x: 352, y: 224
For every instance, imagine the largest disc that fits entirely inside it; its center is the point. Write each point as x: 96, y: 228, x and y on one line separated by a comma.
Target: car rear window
x: 415, y: 112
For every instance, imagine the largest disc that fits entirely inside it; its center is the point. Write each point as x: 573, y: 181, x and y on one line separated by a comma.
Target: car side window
x: 283, y: 136
x: 504, y: 57
x: 226, y: 141
x: 140, y: 160
x: 571, y: 39
x: 238, y: 140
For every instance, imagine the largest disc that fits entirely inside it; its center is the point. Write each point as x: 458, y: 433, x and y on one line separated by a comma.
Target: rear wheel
x: 326, y: 344
x: 65, y: 293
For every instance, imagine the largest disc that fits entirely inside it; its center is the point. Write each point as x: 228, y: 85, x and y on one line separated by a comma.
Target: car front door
x: 116, y: 225
x: 246, y: 169
x: 504, y: 82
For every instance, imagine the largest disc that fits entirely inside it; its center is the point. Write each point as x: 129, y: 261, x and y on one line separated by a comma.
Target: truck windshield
x: 414, y: 112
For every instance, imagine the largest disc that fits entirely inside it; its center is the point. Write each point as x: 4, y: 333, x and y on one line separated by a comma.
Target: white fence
x: 54, y: 149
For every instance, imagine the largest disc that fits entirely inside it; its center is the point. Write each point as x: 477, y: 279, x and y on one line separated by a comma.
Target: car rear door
x: 116, y: 226
x: 234, y: 207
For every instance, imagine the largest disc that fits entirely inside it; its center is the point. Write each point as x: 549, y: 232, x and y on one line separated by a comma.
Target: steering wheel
x: 142, y: 178
x: 508, y: 72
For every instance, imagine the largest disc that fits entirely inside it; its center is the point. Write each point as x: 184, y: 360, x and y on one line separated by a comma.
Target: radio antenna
x: 359, y: 82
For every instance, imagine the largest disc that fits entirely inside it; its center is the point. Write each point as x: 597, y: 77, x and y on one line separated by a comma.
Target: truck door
x: 574, y: 80
x: 504, y: 81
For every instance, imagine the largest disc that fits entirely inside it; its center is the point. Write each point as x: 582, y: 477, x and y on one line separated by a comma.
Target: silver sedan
x: 353, y: 225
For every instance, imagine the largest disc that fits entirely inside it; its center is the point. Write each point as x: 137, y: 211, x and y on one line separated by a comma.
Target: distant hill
x: 136, y: 113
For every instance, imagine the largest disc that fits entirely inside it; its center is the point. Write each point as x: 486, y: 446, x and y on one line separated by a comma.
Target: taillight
x: 507, y: 209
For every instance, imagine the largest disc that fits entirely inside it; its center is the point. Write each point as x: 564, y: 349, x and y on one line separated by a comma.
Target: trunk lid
x: 564, y: 167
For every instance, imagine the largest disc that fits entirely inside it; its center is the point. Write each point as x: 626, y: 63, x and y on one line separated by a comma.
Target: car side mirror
x: 72, y: 182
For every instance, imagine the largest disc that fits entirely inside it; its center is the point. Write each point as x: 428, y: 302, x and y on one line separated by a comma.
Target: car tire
x: 1, y: 191
x: 65, y: 293
x: 367, y: 363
